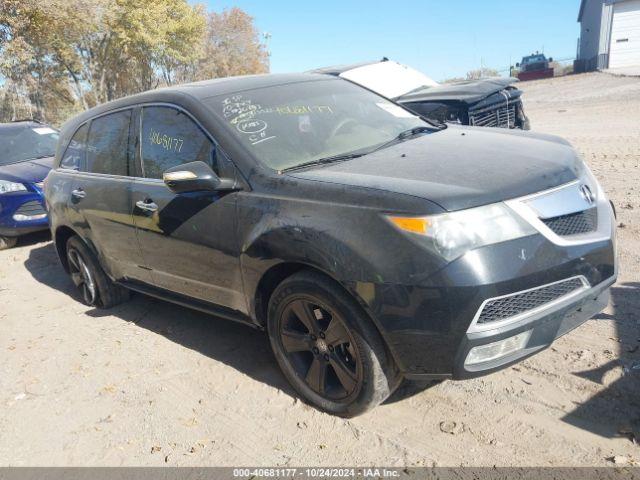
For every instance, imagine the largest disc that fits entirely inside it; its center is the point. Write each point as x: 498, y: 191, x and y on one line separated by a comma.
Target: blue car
x: 26, y: 157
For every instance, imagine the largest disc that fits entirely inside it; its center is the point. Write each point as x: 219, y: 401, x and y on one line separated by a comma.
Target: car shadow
x: 34, y: 238
x: 43, y: 265
x: 615, y: 411
x: 410, y: 388
x: 238, y: 346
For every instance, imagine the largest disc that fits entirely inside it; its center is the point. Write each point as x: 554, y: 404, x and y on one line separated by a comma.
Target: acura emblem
x: 587, y: 194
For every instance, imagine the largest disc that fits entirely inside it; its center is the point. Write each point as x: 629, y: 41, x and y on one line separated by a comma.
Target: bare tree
x: 482, y: 73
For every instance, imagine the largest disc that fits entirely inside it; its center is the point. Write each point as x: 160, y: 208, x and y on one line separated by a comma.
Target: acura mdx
x: 369, y: 244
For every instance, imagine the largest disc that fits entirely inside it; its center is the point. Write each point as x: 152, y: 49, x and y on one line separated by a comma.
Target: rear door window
x: 74, y: 154
x: 107, y: 144
x: 170, y: 138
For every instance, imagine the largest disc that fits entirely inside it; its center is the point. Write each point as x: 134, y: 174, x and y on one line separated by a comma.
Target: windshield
x: 537, y: 58
x: 22, y: 142
x: 288, y: 125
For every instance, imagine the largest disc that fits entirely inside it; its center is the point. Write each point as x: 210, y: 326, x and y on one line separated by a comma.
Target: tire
x: 8, y: 242
x: 327, y: 347
x: 96, y: 289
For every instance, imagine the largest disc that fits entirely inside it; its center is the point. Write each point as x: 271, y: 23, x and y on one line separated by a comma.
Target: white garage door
x: 625, y: 35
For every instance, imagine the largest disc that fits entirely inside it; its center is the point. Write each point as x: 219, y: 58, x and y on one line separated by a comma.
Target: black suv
x: 369, y: 244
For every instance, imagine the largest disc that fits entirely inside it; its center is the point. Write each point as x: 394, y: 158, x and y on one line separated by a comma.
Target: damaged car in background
x: 492, y: 102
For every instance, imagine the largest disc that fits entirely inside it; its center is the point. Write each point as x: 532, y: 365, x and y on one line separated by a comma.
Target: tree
x: 482, y: 73
x: 232, y: 46
x: 26, y: 60
x: 454, y: 80
x: 158, y: 36
x: 128, y: 46
x: 61, y: 56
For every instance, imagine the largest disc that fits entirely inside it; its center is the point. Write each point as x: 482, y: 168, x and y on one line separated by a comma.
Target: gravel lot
x: 150, y: 383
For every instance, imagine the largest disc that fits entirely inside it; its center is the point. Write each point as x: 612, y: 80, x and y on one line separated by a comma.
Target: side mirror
x: 518, y: 65
x: 195, y: 177
x: 551, y: 59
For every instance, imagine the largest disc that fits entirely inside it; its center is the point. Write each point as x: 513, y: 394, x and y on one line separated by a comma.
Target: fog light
x: 501, y: 348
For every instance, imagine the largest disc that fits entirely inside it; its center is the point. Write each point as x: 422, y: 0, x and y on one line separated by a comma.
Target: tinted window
x: 107, y: 144
x: 170, y: 138
x: 72, y: 158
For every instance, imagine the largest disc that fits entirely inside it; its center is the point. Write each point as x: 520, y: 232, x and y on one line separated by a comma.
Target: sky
x: 442, y: 38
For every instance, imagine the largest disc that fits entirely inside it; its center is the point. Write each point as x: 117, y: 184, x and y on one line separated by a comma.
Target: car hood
x: 30, y: 171
x: 467, y: 92
x: 460, y: 167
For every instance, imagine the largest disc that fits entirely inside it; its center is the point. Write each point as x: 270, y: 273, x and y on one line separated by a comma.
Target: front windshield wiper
x: 323, y: 161
x: 412, y: 132
x: 348, y: 156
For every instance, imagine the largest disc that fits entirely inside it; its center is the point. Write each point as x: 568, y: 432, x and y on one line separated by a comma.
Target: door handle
x: 78, y: 194
x: 147, y: 206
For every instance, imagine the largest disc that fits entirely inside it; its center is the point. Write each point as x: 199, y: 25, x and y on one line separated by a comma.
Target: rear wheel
x: 8, y: 242
x: 96, y: 288
x: 327, y: 347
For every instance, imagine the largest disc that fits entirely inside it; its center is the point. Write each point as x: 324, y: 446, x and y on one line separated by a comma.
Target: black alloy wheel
x: 82, y: 277
x: 327, y: 346
x: 321, y: 349
x: 96, y: 288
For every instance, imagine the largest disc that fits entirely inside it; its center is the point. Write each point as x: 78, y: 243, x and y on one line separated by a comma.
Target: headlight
x: 587, y: 177
x: 450, y: 235
x: 439, y: 112
x: 8, y: 187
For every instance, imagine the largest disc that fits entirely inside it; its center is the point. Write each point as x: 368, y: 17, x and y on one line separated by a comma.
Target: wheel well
x: 278, y: 273
x: 268, y: 283
x: 274, y: 277
x: 63, y: 234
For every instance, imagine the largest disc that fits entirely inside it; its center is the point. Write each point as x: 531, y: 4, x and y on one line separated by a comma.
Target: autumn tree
x: 61, y: 56
x: 128, y: 46
x: 232, y: 46
x: 26, y: 60
x: 157, y: 38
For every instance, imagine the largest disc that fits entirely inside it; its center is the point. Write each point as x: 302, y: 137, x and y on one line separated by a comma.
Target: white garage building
x: 609, y: 34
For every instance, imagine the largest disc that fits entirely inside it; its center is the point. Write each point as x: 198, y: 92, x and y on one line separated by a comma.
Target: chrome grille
x: 574, y: 223
x: 510, y: 306
x: 502, y: 116
x: 31, y: 209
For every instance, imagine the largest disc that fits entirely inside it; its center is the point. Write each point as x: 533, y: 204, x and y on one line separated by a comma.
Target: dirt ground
x: 150, y: 383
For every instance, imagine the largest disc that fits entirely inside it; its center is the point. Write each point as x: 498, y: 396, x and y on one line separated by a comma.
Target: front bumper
x: 545, y: 325
x: 432, y: 327
x: 22, y: 213
x: 429, y: 328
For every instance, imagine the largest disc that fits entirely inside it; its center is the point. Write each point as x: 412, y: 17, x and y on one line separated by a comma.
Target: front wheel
x: 327, y: 347
x: 8, y: 242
